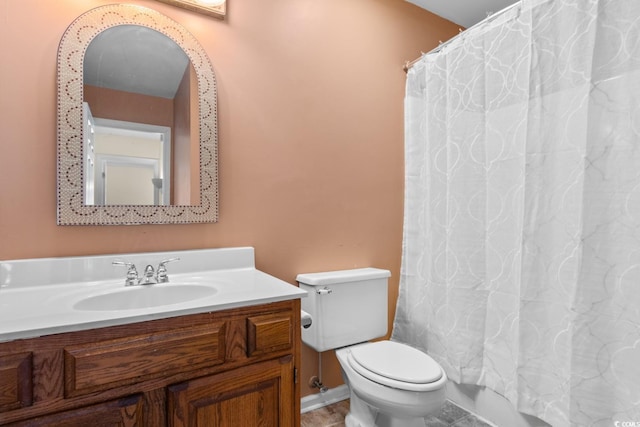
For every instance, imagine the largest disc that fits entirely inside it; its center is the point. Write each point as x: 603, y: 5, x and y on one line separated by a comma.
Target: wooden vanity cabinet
x: 231, y: 368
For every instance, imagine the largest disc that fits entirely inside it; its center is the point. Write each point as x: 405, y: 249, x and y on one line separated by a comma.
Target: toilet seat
x: 396, y: 365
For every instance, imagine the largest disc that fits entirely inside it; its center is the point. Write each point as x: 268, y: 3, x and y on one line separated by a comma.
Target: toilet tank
x: 346, y: 306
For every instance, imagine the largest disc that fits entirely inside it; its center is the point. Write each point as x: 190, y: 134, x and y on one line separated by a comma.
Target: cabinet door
x: 125, y: 412
x: 256, y: 395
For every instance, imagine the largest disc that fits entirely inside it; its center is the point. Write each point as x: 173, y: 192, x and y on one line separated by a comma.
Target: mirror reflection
x: 140, y: 120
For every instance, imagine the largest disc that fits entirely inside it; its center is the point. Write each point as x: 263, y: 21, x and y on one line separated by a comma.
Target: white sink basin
x: 145, y: 296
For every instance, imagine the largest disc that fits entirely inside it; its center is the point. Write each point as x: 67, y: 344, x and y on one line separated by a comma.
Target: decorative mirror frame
x: 71, y: 209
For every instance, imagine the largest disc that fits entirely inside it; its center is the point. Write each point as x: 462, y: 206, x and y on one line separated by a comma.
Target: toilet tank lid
x: 342, y: 276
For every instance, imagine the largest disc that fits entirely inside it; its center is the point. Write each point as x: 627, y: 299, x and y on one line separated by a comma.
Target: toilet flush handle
x: 324, y: 291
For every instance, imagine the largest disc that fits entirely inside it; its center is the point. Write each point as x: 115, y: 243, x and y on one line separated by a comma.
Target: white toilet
x: 391, y: 384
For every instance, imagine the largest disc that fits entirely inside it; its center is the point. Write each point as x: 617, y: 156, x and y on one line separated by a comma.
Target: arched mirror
x: 137, y: 121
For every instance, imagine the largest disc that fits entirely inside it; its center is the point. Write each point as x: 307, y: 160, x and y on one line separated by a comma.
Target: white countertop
x: 28, y: 310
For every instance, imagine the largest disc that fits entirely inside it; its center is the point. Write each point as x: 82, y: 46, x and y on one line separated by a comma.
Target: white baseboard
x: 319, y: 400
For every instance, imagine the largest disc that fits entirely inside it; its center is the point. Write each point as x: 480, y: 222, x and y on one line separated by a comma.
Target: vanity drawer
x: 112, y: 363
x: 269, y: 333
x: 16, y: 389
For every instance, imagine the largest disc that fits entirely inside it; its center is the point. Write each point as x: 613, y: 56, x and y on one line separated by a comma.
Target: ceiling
x: 132, y: 58
x: 465, y: 13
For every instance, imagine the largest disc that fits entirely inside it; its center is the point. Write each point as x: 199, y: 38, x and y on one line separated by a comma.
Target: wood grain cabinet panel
x: 259, y: 395
x: 125, y: 412
x: 269, y: 333
x: 16, y: 390
x: 106, y: 364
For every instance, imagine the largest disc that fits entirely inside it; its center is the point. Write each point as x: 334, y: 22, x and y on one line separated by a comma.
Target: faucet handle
x: 162, y: 263
x: 132, y: 273
x: 161, y: 271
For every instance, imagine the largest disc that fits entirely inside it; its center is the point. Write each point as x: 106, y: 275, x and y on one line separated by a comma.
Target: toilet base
x: 363, y: 415
x: 360, y: 414
x: 384, y: 421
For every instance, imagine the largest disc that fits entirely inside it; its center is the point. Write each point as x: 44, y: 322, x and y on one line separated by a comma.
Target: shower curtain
x: 521, y: 251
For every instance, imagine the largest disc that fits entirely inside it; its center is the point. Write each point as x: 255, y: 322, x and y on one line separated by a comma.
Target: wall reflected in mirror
x: 140, y: 132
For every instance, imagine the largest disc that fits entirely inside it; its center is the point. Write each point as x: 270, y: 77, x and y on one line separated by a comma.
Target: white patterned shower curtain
x: 521, y: 253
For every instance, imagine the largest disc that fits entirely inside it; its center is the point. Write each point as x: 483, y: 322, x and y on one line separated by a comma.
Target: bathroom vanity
x: 226, y: 359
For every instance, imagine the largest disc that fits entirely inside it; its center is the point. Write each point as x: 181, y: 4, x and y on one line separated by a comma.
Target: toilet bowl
x: 391, y: 384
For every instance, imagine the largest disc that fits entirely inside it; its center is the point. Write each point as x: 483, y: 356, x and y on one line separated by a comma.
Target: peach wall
x: 195, y: 138
x: 128, y: 106
x: 182, y: 166
x: 311, y: 135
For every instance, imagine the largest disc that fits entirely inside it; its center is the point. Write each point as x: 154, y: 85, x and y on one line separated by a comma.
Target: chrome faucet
x: 132, y: 273
x: 151, y: 276
x: 161, y: 271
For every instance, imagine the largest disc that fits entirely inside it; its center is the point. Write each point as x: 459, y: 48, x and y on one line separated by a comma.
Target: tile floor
x: 450, y: 415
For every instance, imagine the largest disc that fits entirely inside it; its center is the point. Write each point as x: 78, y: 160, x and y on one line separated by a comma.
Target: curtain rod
x: 490, y: 17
